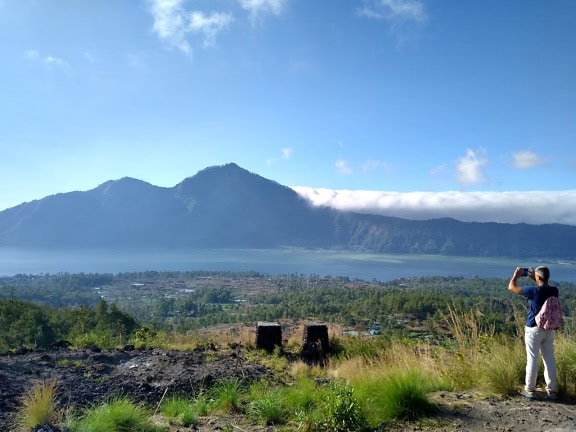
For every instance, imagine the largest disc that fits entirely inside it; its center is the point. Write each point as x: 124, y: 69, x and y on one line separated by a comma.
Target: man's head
x: 543, y: 273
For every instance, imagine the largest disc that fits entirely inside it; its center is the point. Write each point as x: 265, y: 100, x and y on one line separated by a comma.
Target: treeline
x: 404, y: 307
x: 397, y: 307
x: 28, y: 325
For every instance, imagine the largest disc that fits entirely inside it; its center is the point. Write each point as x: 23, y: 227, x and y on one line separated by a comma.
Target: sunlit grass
x: 565, y: 348
x: 501, y: 365
x: 395, y: 395
x: 266, y: 404
x: 180, y: 411
x: 226, y: 396
x: 37, y: 407
x: 120, y: 415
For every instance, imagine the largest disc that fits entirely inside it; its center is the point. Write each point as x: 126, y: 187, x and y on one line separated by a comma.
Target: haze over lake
x: 366, y: 266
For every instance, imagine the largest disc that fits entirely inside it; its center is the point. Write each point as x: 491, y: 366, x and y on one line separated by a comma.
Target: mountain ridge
x: 227, y: 206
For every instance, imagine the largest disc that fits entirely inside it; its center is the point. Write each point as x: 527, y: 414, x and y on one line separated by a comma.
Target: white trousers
x: 538, y: 341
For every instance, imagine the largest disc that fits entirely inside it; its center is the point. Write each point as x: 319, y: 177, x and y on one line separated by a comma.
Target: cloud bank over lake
x: 532, y: 207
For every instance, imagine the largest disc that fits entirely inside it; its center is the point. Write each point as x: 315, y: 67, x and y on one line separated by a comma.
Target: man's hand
x: 512, y: 286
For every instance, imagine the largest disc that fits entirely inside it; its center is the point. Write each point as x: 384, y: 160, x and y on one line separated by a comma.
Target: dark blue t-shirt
x: 536, y: 297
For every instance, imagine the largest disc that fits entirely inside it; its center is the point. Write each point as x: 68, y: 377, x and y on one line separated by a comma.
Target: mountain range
x: 229, y: 207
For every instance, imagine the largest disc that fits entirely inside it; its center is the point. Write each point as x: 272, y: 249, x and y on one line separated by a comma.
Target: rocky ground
x: 88, y: 376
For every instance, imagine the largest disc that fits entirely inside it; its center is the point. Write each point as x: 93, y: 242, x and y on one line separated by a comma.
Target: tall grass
x: 391, y: 391
x: 566, y: 363
x: 227, y: 396
x: 402, y: 395
x: 266, y: 404
x: 180, y: 411
x: 37, y: 407
x: 500, y: 365
x: 303, y: 395
x: 478, y: 357
x: 120, y: 415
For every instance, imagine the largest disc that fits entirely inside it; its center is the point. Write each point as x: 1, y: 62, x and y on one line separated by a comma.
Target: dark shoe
x: 552, y: 396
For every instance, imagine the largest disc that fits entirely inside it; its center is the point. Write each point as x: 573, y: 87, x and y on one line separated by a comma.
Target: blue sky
x: 414, y: 108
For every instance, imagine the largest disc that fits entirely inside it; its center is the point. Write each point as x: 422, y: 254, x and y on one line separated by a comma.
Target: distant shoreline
x: 336, y: 263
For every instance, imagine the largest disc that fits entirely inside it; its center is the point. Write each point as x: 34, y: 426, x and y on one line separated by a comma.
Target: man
x: 537, y: 339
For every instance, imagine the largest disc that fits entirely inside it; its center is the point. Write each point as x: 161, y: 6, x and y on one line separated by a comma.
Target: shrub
x: 343, y: 411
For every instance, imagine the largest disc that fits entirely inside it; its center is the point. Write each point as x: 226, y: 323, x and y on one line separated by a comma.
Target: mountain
x: 224, y: 206
x: 229, y: 207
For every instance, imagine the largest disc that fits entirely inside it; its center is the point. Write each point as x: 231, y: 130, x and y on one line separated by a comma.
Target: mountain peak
x: 228, y: 206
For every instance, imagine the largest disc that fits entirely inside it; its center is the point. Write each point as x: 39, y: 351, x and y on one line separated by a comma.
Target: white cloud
x: 209, y: 25
x: 394, y: 10
x: 169, y: 23
x: 469, y: 167
x: 404, y: 17
x: 49, y: 61
x: 257, y: 8
x: 286, y: 154
x: 503, y: 207
x: 342, y: 167
x: 438, y: 170
x: 526, y: 159
x: 174, y: 24
x: 370, y: 165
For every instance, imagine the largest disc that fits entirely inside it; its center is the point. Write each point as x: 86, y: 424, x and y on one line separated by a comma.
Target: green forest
x: 110, y: 310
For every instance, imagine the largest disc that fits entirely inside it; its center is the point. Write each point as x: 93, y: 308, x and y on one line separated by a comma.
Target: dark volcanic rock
x: 85, y: 377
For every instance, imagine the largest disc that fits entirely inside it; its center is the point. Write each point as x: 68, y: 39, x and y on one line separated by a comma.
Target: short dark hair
x: 543, y: 272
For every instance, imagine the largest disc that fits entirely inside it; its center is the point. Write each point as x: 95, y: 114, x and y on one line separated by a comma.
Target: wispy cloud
x: 394, y: 10
x: 342, y: 167
x: 438, y: 170
x: 526, y: 159
x: 545, y: 207
x: 209, y: 25
x: 49, y: 61
x: 469, y: 168
x: 89, y: 57
x: 372, y: 164
x: 169, y: 23
x: 173, y: 24
x: 286, y: 154
x: 259, y: 8
x: 400, y: 15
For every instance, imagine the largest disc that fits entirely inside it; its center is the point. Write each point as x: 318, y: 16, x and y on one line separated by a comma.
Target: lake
x: 357, y: 265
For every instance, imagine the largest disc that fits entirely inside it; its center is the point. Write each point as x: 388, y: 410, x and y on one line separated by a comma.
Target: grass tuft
x: 394, y: 394
x: 226, y: 396
x: 180, y: 411
x: 37, y: 407
x: 120, y: 415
